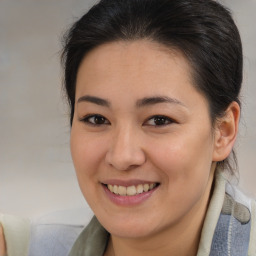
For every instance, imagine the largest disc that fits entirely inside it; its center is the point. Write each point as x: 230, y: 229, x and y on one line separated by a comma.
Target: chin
x: 128, y: 227
x: 130, y: 231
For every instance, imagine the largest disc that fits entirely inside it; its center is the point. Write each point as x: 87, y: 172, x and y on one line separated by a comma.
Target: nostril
x: 124, y: 150
x: 123, y: 167
x: 125, y: 160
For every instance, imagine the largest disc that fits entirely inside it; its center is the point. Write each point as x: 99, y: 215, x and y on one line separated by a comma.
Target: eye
x: 159, y: 121
x: 95, y: 120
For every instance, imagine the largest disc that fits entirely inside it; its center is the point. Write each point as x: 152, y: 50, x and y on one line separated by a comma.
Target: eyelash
x: 156, y: 118
x: 87, y: 118
x: 103, y: 121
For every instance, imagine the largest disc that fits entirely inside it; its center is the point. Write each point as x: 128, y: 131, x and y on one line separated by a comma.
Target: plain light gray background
x: 36, y: 171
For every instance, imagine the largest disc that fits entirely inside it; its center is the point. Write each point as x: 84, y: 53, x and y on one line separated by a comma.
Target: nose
x: 125, y: 151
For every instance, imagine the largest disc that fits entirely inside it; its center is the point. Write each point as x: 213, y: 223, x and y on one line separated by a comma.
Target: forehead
x: 128, y: 53
x: 137, y: 67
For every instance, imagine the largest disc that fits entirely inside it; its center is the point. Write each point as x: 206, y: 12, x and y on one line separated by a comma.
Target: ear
x: 225, y: 134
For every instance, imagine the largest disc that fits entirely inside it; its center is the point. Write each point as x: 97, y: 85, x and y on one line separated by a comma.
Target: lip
x: 128, y: 200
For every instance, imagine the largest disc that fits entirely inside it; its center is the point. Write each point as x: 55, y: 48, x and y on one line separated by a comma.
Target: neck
x: 181, y: 239
x: 178, y: 244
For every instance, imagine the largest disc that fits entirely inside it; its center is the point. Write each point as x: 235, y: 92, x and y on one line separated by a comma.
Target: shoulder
x: 239, y: 197
x: 244, y: 210
x: 230, y: 222
x: 92, y: 241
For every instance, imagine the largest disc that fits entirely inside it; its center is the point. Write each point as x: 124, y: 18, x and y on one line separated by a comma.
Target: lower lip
x: 128, y: 200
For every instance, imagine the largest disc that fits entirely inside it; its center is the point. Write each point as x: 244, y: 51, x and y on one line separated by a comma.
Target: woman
x: 153, y: 87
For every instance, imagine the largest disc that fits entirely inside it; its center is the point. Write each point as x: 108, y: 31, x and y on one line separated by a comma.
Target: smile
x: 131, y: 190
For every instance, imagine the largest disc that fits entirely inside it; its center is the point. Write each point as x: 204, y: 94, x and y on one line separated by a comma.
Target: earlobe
x: 226, y: 130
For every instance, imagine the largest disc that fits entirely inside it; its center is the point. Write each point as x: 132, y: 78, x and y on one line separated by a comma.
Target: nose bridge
x: 125, y: 149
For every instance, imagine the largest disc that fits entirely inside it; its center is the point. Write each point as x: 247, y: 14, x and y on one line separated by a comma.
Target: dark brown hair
x: 203, y: 30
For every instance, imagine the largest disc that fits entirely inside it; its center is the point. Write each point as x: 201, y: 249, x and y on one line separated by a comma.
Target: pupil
x: 99, y: 120
x: 159, y: 120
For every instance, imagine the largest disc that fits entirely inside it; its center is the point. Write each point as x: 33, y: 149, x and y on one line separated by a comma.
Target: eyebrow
x: 95, y: 100
x: 147, y: 101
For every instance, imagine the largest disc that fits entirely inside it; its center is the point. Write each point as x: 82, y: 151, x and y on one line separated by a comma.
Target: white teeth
x: 122, y: 191
x: 115, y: 189
x: 140, y: 189
x: 145, y: 187
x: 110, y: 187
x: 131, y: 190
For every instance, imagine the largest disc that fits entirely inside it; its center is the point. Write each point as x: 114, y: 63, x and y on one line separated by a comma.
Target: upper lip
x: 127, y: 183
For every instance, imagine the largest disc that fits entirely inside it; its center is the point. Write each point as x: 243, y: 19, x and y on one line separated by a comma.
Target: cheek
x: 86, y: 153
x: 187, y: 157
x: 185, y: 165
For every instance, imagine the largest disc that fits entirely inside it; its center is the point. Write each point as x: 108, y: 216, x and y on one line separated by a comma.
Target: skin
x: 3, y: 251
x: 179, y: 153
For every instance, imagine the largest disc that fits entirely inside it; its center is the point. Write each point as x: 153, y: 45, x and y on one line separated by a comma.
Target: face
x: 141, y: 138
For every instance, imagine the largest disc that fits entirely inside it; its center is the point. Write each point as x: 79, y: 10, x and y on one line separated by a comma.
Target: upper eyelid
x: 91, y: 115
x: 163, y: 116
x: 86, y: 117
